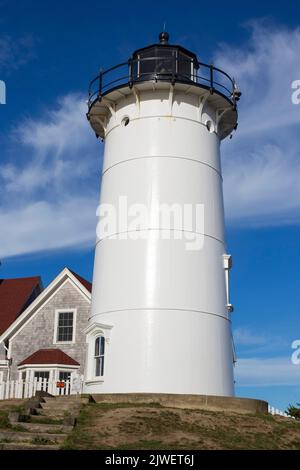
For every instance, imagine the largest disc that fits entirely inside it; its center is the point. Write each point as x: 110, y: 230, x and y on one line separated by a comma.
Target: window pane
x: 184, y: 65
x: 102, y: 346
x: 97, y: 371
x: 64, y: 376
x: 41, y: 375
x: 101, y: 365
x: 99, y: 356
x: 97, y: 347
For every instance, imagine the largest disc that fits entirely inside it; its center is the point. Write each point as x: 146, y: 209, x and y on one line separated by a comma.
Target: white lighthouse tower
x: 160, y: 319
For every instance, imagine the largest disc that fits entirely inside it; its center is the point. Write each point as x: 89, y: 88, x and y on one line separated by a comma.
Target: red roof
x: 15, y: 296
x: 84, y: 282
x: 50, y: 356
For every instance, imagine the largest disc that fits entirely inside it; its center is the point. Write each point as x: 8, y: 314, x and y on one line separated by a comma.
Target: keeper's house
x: 42, y: 330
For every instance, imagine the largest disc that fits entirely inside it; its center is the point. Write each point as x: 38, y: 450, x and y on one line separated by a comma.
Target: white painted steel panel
x: 161, y: 306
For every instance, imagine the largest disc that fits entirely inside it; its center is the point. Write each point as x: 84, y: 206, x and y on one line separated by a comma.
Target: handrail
x: 106, y: 81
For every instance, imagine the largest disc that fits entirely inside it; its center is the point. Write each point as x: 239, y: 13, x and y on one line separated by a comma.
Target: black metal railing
x: 170, y: 69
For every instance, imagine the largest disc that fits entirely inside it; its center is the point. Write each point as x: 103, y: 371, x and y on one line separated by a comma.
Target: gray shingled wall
x: 39, y: 332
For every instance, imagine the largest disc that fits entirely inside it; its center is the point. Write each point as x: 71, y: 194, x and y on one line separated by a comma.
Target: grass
x: 45, y: 420
x: 112, y: 406
x: 127, y: 426
x: 42, y: 441
x: 18, y: 428
x: 81, y: 424
x: 4, y: 422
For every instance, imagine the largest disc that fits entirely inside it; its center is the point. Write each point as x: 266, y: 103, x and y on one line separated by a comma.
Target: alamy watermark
x: 2, y: 92
x: 163, y: 221
x: 296, y: 354
x: 296, y: 92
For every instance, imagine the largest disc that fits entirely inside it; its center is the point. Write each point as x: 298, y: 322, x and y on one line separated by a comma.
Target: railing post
x: 100, y: 84
x: 130, y: 68
x: 211, y: 72
x: 7, y: 390
x: 11, y: 392
x: 35, y: 380
x: 30, y: 389
x: 173, y: 69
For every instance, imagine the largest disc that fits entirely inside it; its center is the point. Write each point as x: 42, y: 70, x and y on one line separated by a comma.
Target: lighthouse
x: 161, y: 313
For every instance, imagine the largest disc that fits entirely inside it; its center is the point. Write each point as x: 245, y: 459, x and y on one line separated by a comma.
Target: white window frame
x: 57, y: 312
x: 92, y: 333
x: 1, y: 375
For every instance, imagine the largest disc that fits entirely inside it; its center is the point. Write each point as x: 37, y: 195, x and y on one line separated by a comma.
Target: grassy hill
x: 127, y: 426
x: 153, y: 427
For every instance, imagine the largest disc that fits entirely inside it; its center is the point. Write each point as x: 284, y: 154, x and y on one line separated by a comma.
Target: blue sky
x: 50, y: 162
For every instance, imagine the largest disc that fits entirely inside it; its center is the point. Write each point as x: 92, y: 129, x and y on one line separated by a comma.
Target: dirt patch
x: 11, y: 404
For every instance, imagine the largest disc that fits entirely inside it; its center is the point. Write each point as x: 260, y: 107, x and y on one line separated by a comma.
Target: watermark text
x: 2, y: 92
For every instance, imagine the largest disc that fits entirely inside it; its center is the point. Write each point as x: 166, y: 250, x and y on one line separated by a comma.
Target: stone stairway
x: 45, y: 424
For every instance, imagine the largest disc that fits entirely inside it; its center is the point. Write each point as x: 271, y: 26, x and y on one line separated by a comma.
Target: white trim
x: 1, y: 375
x: 53, y: 369
x: 95, y: 381
x: 101, y: 326
x: 47, y: 366
x: 92, y: 332
x: 57, y: 312
x: 60, y: 280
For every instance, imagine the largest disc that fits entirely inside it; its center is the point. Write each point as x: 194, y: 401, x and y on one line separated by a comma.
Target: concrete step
x: 56, y: 405
x: 45, y: 428
x: 31, y: 437
x: 56, y: 413
x: 40, y: 419
x: 67, y: 399
x: 27, y: 446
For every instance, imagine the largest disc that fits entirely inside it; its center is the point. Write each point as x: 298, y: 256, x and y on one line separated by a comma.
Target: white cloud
x: 245, y: 337
x: 261, y: 164
x: 266, y: 372
x: 44, y: 225
x: 249, y: 342
x: 261, y: 186
x: 54, y: 150
x: 50, y: 190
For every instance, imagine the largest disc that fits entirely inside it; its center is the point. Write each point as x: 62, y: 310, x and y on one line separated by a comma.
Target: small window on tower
x: 99, y: 356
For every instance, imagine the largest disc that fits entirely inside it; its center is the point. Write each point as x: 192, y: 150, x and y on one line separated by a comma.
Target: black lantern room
x: 164, y: 62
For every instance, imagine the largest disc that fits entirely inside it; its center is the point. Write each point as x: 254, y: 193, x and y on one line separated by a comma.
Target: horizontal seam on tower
x: 163, y: 308
x: 162, y: 156
x: 161, y: 229
x: 161, y: 116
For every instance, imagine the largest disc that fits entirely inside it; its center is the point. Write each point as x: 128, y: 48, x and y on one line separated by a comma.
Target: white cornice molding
x: 97, y: 326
